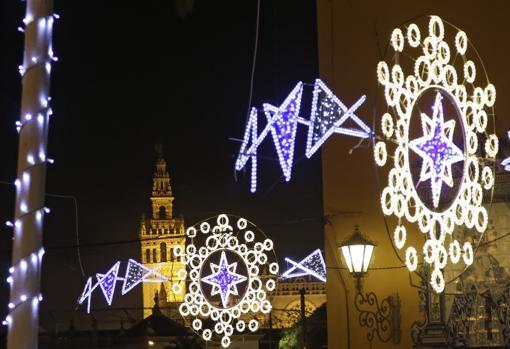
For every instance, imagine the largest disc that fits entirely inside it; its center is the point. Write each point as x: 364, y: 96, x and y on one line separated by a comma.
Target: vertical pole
x: 303, y: 318
x: 27, y: 251
x: 271, y: 329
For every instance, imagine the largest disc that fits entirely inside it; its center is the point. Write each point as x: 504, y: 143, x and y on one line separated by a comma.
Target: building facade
x: 159, y: 234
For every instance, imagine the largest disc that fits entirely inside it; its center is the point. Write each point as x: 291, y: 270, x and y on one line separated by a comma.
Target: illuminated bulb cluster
x: 136, y: 273
x: 241, y: 285
x: 434, y: 71
x: 328, y: 116
x: 313, y: 265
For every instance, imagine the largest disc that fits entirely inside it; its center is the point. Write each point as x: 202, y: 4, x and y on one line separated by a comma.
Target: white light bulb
x: 11, y: 305
x: 23, y: 297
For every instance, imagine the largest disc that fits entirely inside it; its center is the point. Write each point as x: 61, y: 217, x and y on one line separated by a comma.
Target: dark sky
x: 132, y: 74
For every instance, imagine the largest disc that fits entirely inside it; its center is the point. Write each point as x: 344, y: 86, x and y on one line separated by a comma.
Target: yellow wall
x: 348, y: 56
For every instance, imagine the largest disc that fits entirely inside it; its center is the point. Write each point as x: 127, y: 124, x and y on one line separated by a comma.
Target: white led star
x: 224, y: 279
x: 437, y: 149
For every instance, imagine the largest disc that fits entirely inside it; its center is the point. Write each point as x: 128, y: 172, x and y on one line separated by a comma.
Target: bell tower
x: 159, y: 235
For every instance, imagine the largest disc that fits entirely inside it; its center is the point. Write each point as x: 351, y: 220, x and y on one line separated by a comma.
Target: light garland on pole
x: 231, y: 268
x: 313, y: 265
x: 328, y: 116
x: 449, y: 141
x: 135, y: 274
x: 27, y: 251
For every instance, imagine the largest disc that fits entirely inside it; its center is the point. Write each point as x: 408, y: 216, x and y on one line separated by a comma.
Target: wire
x: 254, y: 62
x: 76, y: 225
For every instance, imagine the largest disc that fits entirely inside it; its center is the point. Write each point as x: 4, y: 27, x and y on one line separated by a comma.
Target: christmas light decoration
x: 328, y: 115
x: 506, y: 162
x: 437, y: 149
x: 135, y: 274
x: 230, y: 268
x: 33, y: 126
x: 449, y: 139
x: 313, y: 265
x: 284, y: 126
x: 224, y: 279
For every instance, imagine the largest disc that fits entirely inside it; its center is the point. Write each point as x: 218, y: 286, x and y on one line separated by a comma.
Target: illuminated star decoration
x: 329, y: 115
x: 135, y: 274
x: 313, y: 265
x: 506, y: 162
x: 437, y: 149
x: 224, y: 279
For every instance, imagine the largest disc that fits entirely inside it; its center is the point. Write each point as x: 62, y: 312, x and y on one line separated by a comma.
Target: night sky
x: 134, y: 74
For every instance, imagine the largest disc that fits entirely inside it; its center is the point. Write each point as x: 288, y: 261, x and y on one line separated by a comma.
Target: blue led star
x: 224, y: 279
x: 437, y: 149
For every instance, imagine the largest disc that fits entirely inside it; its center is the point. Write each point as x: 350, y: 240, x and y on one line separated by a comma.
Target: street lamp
x: 381, y: 319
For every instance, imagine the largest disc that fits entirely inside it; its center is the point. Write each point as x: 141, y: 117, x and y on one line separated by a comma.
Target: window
x: 154, y: 256
x: 162, y: 248
x: 147, y: 256
x: 162, y: 212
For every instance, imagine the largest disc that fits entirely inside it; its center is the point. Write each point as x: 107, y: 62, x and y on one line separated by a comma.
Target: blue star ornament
x: 437, y: 149
x: 283, y: 122
x: 224, y: 279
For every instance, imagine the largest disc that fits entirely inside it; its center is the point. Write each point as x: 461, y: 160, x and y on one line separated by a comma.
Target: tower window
x: 162, y: 247
x: 162, y: 212
x: 147, y: 256
x: 154, y: 256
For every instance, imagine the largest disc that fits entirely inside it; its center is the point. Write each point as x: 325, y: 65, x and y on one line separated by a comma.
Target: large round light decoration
x: 437, y: 142
x: 230, y: 270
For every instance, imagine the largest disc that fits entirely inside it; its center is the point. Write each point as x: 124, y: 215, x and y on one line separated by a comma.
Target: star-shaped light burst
x: 224, y: 279
x: 437, y: 149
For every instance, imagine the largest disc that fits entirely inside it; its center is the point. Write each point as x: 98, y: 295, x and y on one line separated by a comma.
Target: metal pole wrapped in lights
x: 381, y: 319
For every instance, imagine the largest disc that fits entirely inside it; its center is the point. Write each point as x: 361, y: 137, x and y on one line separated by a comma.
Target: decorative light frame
x: 242, y: 238
x: 432, y: 70
x: 277, y: 120
x: 135, y: 274
x: 313, y: 265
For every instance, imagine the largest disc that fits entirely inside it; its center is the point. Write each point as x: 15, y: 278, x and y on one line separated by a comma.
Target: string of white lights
x: 27, y: 252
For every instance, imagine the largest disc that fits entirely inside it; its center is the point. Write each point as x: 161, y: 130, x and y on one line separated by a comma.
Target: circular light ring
x: 387, y: 125
x: 430, y: 48
x: 492, y: 146
x: 397, y: 40
x: 432, y: 69
x: 469, y: 72
x: 490, y: 95
x: 450, y: 78
x: 429, y: 251
x: 380, y: 153
x: 461, y: 42
x: 437, y: 280
x: 467, y: 254
x: 383, y: 73
x: 253, y: 248
x: 436, y: 28
x: 481, y: 121
x: 441, y: 257
x: 411, y: 258
x: 455, y: 251
x: 399, y: 236
x: 481, y: 219
x: 413, y: 35
x: 443, y: 52
x: 487, y: 178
